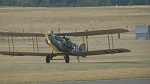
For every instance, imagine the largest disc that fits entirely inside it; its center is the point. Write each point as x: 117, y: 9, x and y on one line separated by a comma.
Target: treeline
x: 71, y: 3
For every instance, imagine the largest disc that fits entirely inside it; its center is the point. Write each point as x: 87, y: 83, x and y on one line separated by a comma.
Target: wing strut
x: 112, y: 41
x: 108, y: 42
x: 83, y: 41
x: 78, y: 58
x: 33, y: 44
x: 8, y: 44
x: 37, y: 44
x: 87, y: 42
x: 12, y: 43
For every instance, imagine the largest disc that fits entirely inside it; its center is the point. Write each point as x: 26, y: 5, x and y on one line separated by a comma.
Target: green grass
x: 135, y: 64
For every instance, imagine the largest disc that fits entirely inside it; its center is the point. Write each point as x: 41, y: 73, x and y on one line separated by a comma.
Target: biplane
x: 63, y: 46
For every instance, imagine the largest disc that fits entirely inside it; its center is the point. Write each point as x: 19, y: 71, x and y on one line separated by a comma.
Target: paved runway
x: 123, y: 81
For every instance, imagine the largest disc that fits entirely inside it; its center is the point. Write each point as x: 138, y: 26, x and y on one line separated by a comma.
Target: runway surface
x: 122, y: 81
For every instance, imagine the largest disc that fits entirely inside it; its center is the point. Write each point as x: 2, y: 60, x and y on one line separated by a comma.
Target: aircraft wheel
x: 48, y: 58
x: 67, y: 59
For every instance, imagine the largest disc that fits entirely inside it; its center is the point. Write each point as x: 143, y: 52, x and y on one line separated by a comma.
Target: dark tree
x: 71, y: 3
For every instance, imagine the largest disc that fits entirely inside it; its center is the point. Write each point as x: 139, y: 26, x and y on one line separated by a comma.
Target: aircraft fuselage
x: 63, y: 44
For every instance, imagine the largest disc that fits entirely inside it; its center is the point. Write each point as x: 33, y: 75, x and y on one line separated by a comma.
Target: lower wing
x: 101, y: 52
x: 29, y: 53
x: 83, y: 54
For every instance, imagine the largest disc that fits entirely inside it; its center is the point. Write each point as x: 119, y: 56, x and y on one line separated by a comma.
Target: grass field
x: 135, y: 64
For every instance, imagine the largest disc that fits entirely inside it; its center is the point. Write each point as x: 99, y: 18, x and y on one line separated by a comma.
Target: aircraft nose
x: 48, y: 42
x: 47, y: 36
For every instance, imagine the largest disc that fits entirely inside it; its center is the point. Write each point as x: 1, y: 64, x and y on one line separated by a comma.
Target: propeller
x: 47, y: 38
x: 49, y: 42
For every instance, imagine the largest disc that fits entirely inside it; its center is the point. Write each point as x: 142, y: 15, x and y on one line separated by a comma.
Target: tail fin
x: 82, y: 47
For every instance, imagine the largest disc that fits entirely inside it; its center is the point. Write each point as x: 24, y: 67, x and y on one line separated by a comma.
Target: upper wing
x: 83, y: 54
x: 85, y: 33
x: 90, y: 33
x: 21, y: 34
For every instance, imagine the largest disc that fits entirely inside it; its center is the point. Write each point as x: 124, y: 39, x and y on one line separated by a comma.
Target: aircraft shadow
x: 115, y: 62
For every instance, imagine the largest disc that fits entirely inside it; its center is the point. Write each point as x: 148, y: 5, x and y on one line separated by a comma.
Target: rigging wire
x: 78, y: 40
x: 98, y: 42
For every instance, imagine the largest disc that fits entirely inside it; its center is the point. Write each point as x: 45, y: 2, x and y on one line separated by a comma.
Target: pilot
x: 67, y: 39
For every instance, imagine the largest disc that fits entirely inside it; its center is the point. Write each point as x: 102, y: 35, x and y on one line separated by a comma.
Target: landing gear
x: 67, y: 59
x: 48, y: 58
